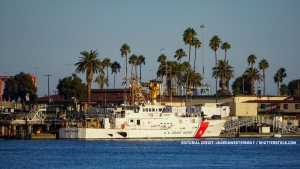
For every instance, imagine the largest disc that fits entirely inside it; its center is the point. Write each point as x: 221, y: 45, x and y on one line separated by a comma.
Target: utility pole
x: 48, y: 84
x: 203, y: 26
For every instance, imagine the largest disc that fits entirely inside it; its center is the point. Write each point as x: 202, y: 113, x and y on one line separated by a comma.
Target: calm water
x: 85, y: 154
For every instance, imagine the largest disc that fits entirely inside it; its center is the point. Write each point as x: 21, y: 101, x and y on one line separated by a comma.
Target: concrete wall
x: 243, y: 109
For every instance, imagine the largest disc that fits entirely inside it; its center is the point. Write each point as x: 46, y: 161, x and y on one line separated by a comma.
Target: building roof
x: 108, y: 95
x: 273, y: 101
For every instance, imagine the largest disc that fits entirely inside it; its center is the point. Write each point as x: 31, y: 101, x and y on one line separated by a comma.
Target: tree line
x: 177, y: 75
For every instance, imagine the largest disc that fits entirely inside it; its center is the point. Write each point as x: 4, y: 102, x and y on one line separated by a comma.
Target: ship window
x: 297, y: 106
x: 153, y: 109
x: 131, y: 121
x: 138, y: 122
x: 144, y: 110
x: 285, y: 106
x: 262, y: 106
x: 160, y: 109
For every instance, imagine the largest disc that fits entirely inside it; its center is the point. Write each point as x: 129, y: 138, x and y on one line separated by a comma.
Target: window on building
x: 285, y: 106
x: 138, y: 122
x: 297, y: 106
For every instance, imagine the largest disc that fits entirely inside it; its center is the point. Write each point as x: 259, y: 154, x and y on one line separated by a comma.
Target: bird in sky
x: 162, y: 49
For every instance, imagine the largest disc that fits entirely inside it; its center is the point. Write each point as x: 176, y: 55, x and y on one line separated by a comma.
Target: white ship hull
x: 205, y: 129
x: 144, y: 124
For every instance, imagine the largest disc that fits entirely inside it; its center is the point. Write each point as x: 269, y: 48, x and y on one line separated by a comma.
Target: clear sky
x: 49, y: 35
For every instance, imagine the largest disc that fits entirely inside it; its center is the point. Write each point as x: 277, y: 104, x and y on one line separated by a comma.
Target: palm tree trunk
x: 195, y: 60
x: 136, y: 74
x: 187, y: 79
x: 140, y: 73
x: 252, y: 86
x: 216, y: 77
x: 264, y: 82
x: 223, y: 83
x: 114, y: 80
x: 107, y: 76
x: 126, y: 69
x: 89, y: 93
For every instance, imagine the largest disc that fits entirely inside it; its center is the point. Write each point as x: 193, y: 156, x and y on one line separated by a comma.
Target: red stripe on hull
x: 201, y: 129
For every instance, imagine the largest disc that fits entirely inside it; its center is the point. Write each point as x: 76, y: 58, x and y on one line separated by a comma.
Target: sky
x: 46, y: 37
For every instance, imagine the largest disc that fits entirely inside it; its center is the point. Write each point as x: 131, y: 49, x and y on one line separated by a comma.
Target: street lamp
x: 203, y: 26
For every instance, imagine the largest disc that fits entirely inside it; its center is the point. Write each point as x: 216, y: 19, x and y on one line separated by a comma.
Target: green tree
x: 197, y: 44
x: 223, y: 71
x: 214, y: 44
x: 107, y: 64
x: 284, y: 90
x: 125, y: 49
x: 239, y: 85
x: 179, y: 54
x: 16, y: 88
x: 188, y: 37
x: 278, y: 77
x: 89, y: 64
x: 72, y: 86
x: 140, y: 62
x: 263, y: 65
x: 294, y: 87
x: 251, y: 60
x: 101, y: 80
x: 253, y: 75
x: 225, y: 46
x: 115, y: 68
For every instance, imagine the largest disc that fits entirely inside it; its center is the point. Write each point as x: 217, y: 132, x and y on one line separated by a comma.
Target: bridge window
x: 285, y: 106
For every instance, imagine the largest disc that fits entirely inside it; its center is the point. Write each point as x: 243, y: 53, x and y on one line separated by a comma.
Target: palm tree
x: 161, y: 69
x: 141, y: 60
x: 195, y: 80
x: 182, y: 69
x: 263, y: 65
x: 90, y: 64
x: 101, y: 80
x: 179, y: 54
x: 115, y: 68
x: 197, y: 45
x: 188, y: 36
x: 278, y: 77
x: 251, y: 60
x: 225, y: 46
x: 214, y: 44
x: 107, y: 64
x: 224, y: 71
x: 133, y: 61
x: 252, y: 74
x: 125, y: 49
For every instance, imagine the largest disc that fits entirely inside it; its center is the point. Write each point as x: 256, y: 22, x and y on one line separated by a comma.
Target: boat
x: 137, y: 120
x: 144, y: 121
